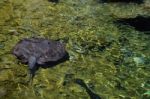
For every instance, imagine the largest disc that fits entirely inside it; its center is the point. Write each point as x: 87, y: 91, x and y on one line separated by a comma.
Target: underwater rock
x: 139, y: 60
x: 40, y: 52
x: 125, y: 1
x: 88, y: 90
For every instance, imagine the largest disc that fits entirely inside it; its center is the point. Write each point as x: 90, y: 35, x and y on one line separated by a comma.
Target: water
x: 113, y: 60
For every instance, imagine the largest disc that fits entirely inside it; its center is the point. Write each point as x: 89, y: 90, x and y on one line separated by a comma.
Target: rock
x: 139, y: 60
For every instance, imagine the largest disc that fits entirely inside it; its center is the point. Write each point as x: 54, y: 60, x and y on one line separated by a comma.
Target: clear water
x: 113, y: 61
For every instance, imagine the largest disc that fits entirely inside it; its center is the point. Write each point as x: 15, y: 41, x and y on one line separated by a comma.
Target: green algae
x: 101, y: 54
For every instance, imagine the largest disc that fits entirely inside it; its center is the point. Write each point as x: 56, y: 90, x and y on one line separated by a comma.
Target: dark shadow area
x: 52, y: 64
x: 55, y: 1
x: 139, y: 23
x: 124, y: 1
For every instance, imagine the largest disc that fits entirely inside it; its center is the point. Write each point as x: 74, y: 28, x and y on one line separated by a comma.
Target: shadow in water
x: 124, y: 1
x: 52, y: 64
x: 139, y: 23
x: 55, y: 1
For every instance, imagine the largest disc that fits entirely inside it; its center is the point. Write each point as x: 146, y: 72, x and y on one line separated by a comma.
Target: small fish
x: 88, y: 90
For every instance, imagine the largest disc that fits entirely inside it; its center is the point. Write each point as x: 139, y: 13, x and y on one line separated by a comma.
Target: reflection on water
x: 113, y: 61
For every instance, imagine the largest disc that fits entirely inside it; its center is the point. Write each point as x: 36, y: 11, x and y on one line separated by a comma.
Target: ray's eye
x: 48, y: 43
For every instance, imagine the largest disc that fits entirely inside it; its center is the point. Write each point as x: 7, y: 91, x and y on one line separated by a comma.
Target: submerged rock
x: 138, y: 60
x: 39, y: 51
